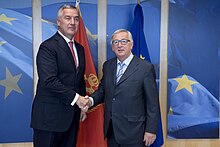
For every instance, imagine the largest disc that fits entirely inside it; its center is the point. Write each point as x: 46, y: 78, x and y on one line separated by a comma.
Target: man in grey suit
x: 61, y: 85
x: 129, y: 93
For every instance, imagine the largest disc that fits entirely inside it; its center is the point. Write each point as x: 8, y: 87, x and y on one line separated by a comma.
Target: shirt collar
x: 127, y: 60
x: 65, y: 38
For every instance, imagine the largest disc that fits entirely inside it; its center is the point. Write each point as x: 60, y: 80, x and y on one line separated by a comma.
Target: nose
x: 120, y: 44
x: 72, y: 21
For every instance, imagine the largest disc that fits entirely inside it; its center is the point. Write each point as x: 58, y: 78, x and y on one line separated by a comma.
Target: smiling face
x: 122, y: 45
x: 68, y: 22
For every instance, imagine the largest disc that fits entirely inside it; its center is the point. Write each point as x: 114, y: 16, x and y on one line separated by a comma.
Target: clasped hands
x: 84, y: 103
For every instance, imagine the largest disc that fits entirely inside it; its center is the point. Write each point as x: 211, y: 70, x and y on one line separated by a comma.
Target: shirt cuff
x: 75, y: 99
x: 92, y: 101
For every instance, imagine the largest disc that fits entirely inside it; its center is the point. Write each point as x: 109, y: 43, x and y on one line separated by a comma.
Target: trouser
x: 113, y: 143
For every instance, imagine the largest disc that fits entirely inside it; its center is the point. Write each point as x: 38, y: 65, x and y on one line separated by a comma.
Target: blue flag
x: 140, y: 49
x: 16, y: 92
x: 188, y: 99
x: 16, y: 74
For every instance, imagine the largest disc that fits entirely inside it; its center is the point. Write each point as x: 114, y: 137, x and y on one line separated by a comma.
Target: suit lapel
x: 132, y: 68
x: 113, y: 74
x: 80, y: 54
x: 62, y: 44
x: 110, y: 71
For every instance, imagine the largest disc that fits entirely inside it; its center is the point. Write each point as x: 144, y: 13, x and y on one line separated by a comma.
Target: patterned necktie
x: 120, y: 71
x: 72, y: 51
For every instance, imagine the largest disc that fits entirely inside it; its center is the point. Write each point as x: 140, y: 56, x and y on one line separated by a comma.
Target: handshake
x: 84, y: 103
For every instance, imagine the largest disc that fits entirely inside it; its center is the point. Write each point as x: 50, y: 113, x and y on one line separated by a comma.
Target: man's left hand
x: 83, y: 116
x: 149, y: 138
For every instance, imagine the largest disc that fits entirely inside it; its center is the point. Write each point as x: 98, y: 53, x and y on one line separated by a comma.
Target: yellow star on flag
x: 184, y: 82
x: 170, y: 111
x: 4, y: 18
x: 142, y: 57
x: 2, y: 42
x: 10, y: 83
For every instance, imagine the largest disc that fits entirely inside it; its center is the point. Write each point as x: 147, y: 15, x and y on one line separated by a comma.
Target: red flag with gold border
x: 91, y: 130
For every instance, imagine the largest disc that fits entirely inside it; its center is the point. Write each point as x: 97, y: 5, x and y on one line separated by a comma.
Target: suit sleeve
x: 99, y: 94
x: 152, y: 101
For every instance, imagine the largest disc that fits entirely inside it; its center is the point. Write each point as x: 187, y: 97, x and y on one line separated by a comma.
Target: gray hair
x: 122, y: 30
x: 65, y: 6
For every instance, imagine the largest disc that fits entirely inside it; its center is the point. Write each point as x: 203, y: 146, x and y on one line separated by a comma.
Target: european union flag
x: 140, y: 49
x: 193, y: 110
x: 16, y: 75
x: 194, y: 104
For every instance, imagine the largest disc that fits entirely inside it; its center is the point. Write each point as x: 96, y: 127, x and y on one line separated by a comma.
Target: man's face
x: 122, y: 45
x: 68, y: 22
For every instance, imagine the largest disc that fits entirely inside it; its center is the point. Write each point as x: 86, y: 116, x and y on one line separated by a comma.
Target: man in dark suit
x: 61, y: 85
x: 128, y: 90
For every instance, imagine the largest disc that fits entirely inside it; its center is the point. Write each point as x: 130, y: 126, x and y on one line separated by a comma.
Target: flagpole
x: 37, y: 37
x: 102, y: 27
x: 164, y: 64
x: 77, y: 3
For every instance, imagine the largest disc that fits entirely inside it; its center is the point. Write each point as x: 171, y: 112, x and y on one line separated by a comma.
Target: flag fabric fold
x: 185, y: 109
x: 91, y: 130
x: 15, y: 77
x: 140, y: 49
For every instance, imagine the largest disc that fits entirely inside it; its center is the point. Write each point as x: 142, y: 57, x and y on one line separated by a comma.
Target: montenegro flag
x: 91, y: 130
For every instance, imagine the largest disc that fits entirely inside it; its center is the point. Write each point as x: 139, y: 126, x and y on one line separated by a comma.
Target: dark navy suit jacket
x: 59, y: 81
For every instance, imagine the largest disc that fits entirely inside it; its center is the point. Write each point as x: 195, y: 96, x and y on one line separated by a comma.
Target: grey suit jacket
x: 132, y: 104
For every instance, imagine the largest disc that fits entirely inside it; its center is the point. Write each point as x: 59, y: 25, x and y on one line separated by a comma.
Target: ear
x: 58, y: 22
x: 132, y: 45
x: 112, y: 49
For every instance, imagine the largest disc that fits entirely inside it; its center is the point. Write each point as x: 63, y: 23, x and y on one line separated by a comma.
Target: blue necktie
x: 120, y: 71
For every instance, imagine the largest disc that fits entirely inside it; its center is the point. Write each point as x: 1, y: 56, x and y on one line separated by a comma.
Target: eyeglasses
x: 123, y: 42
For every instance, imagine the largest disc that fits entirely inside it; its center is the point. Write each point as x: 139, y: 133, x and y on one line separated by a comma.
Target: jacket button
x: 113, y: 99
